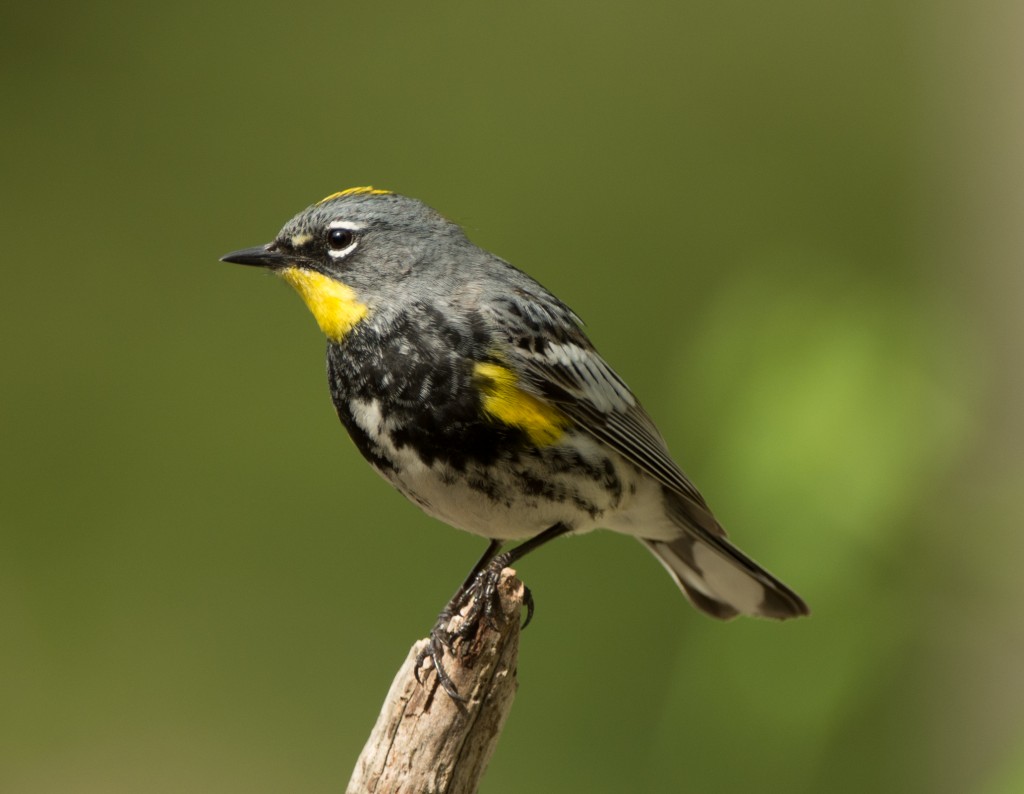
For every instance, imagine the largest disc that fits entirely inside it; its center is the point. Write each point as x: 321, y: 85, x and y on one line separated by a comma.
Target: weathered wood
x: 426, y: 743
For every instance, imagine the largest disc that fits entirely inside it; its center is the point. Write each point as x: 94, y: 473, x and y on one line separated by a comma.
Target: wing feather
x: 558, y: 362
x: 555, y: 360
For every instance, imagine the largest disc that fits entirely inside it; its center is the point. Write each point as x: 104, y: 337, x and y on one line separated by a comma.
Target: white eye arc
x: 342, y: 238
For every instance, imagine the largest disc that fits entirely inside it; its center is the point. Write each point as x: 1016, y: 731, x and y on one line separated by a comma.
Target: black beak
x: 260, y: 256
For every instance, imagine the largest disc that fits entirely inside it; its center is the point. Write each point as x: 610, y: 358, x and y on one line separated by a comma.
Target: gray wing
x: 555, y: 360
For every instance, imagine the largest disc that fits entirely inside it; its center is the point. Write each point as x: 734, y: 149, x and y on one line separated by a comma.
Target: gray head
x: 352, y: 251
x: 369, y: 211
x: 341, y: 232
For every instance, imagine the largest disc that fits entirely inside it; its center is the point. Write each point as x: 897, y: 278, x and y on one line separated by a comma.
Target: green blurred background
x: 794, y: 227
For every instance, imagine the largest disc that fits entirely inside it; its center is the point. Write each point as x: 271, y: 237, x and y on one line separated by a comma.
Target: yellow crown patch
x: 356, y: 191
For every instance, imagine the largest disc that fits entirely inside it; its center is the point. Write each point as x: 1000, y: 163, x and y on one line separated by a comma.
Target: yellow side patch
x: 355, y: 191
x: 332, y: 303
x: 504, y: 401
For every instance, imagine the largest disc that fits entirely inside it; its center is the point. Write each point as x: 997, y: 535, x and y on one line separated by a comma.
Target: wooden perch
x: 426, y: 743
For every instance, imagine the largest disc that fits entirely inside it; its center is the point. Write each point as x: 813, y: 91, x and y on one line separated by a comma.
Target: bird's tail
x: 716, y: 576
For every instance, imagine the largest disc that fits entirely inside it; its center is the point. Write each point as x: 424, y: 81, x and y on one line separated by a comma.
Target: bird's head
x: 352, y: 251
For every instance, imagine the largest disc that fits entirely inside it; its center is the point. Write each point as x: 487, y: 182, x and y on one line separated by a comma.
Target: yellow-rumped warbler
x: 474, y: 391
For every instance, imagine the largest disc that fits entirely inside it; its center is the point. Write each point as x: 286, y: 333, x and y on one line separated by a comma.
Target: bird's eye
x: 339, y: 239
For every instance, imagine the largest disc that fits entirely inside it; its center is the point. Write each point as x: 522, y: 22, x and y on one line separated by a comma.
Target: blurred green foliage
x: 793, y: 227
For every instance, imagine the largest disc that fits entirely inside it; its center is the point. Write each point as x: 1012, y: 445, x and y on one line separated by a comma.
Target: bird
x: 477, y: 394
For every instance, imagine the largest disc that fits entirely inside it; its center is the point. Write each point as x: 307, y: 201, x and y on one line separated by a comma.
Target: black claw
x: 484, y: 600
x: 528, y: 603
x: 440, y: 638
x: 417, y: 666
x: 481, y: 591
x: 486, y: 603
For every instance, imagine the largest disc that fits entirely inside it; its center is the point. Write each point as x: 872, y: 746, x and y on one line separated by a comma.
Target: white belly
x: 517, y: 498
x: 508, y: 501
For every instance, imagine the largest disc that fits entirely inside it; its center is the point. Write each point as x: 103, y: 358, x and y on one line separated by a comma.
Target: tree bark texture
x: 425, y: 742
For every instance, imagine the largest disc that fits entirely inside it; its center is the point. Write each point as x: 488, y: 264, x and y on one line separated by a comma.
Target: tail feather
x: 722, y: 581
x: 716, y: 576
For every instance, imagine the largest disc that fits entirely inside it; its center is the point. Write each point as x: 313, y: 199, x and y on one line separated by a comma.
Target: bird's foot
x: 441, y: 637
x: 476, y: 606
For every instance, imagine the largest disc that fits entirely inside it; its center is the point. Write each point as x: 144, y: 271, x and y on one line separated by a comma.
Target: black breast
x: 418, y: 368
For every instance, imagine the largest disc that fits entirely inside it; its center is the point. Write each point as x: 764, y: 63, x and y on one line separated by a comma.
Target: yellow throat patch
x: 505, y: 402
x: 332, y: 303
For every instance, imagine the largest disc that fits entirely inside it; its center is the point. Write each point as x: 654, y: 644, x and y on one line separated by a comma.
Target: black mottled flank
x: 419, y: 367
